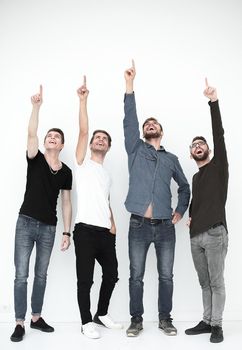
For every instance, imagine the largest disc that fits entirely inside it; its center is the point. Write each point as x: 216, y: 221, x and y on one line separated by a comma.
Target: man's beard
x: 154, y: 135
x: 201, y: 158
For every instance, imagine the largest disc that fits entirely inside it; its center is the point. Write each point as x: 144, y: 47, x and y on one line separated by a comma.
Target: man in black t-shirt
x: 36, y: 224
x: 208, y: 227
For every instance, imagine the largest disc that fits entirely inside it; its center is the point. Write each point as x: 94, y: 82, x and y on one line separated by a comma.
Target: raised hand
x: 83, y: 92
x: 210, y: 92
x: 130, y: 73
x: 37, y: 99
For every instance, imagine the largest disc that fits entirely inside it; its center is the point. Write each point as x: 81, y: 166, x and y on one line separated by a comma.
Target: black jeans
x: 94, y: 243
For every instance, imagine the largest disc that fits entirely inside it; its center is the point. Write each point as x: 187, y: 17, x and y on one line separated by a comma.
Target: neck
x: 51, y: 156
x: 201, y: 163
x: 98, y: 157
x: 155, y: 142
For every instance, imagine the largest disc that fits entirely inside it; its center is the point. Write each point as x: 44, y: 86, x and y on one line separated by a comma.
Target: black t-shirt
x: 42, y: 189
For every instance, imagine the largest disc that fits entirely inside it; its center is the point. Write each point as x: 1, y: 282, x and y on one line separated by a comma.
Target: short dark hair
x: 59, y: 131
x: 151, y: 118
x: 199, y: 138
x: 104, y: 132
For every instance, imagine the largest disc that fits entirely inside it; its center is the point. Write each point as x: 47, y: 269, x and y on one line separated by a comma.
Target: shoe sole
x: 43, y: 330
x: 197, y: 333
x: 132, y: 335
x: 98, y: 337
x: 172, y: 334
x: 15, y: 340
x: 216, y: 340
x: 100, y: 323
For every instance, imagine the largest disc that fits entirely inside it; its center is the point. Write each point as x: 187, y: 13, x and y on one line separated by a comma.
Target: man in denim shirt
x: 151, y: 169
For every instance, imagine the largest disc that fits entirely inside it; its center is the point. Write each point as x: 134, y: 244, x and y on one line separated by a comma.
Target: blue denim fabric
x: 209, y: 250
x: 141, y: 235
x: 29, y: 232
x: 151, y: 172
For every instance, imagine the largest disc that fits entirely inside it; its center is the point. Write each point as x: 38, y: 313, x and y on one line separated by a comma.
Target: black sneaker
x: 217, y: 334
x: 41, y: 325
x: 200, y: 328
x: 134, y: 329
x: 167, y: 327
x: 18, y: 333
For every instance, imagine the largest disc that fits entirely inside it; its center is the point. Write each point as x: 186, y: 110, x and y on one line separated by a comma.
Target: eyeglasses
x: 197, y: 144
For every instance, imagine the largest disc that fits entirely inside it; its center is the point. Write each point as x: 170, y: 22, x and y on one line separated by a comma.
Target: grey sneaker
x: 167, y: 327
x: 134, y: 329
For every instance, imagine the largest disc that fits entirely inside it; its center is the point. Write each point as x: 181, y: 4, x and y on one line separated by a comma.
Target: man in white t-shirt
x: 94, y: 231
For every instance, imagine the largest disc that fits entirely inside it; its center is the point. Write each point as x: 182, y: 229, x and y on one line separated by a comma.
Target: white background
x: 175, y: 44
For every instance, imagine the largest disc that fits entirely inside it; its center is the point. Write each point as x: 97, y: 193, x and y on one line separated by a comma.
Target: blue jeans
x: 29, y: 232
x: 209, y: 250
x: 141, y: 234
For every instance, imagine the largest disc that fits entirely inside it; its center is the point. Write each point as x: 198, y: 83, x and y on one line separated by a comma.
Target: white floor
x: 68, y: 337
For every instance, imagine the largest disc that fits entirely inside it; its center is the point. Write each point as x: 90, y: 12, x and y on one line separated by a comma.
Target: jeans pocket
x: 168, y: 223
x: 52, y: 229
x: 23, y: 221
x: 135, y: 223
x: 216, y: 231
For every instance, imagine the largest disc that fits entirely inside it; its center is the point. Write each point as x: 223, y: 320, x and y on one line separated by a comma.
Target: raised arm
x: 130, y: 123
x: 33, y: 141
x: 81, y: 147
x: 129, y: 76
x: 217, y: 127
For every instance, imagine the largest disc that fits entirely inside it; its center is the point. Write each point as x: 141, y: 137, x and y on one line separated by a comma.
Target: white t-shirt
x: 93, y: 188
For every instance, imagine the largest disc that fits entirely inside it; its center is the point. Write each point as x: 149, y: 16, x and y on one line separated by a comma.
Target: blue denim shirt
x: 150, y: 171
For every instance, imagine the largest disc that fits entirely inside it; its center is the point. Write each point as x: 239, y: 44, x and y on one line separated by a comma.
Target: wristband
x: 67, y: 234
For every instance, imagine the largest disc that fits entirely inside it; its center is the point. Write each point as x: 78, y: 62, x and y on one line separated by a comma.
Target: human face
x: 100, y: 143
x: 152, y: 129
x: 199, y: 150
x: 53, y: 140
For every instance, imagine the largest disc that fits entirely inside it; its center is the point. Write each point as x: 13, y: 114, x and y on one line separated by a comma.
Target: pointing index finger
x: 84, y: 80
x: 206, y: 82
x: 41, y: 90
x: 133, y: 64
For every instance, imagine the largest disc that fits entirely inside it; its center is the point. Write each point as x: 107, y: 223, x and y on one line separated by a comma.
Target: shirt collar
x: 148, y: 145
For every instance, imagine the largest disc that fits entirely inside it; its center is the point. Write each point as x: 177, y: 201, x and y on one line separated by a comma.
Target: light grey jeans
x: 209, y: 250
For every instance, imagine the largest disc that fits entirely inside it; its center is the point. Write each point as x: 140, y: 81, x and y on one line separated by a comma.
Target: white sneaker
x: 90, y: 331
x: 109, y: 323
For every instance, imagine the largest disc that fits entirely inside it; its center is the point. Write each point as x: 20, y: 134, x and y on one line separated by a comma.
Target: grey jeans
x: 209, y: 250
